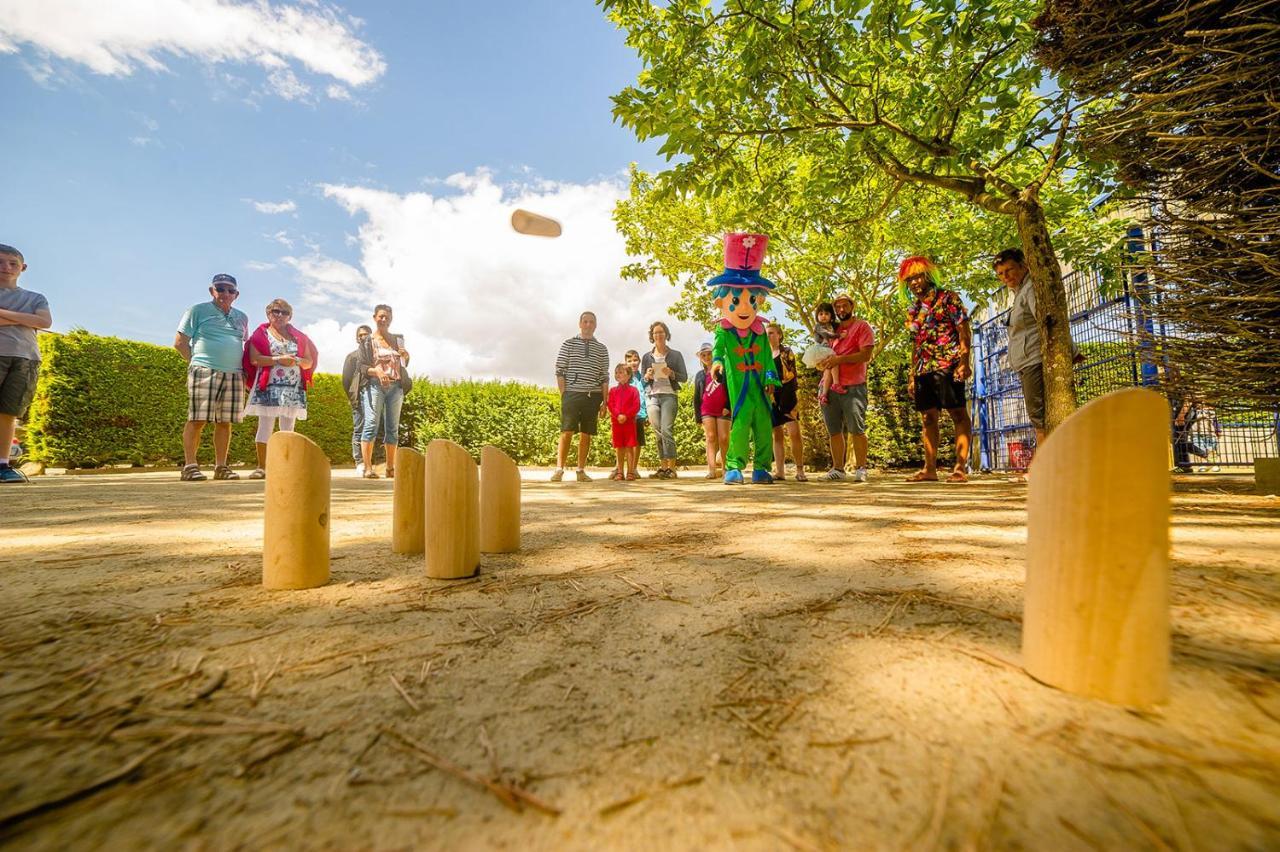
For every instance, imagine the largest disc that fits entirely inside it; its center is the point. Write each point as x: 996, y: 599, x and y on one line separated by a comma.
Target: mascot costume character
x: 742, y: 358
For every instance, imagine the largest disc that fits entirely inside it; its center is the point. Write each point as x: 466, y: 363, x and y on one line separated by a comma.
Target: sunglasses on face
x: 226, y: 289
x: 280, y: 312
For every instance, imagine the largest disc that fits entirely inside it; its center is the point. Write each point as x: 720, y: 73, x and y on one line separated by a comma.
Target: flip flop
x: 957, y: 476
x: 800, y: 477
x: 920, y: 476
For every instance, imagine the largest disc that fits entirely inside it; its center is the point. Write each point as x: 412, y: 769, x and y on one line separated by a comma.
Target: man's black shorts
x: 640, y: 421
x: 579, y: 412
x: 938, y: 389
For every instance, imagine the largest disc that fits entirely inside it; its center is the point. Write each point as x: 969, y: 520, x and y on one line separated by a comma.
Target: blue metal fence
x: 1120, y: 345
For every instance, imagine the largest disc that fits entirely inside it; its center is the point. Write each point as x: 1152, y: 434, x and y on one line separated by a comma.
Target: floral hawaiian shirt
x: 935, y: 332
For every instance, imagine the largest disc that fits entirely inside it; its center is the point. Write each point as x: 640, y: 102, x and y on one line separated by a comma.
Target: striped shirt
x: 583, y: 364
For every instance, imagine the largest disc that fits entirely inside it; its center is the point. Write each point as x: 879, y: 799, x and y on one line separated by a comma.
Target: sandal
x: 957, y: 476
x: 921, y: 476
x: 615, y: 474
x: 258, y: 473
x: 391, y: 473
x: 800, y: 477
x: 191, y: 473
x: 368, y: 474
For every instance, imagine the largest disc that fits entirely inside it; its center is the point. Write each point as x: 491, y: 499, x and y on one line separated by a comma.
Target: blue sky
x: 149, y: 141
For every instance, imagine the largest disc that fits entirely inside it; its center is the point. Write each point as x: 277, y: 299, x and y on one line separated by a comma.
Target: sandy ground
x: 665, y: 665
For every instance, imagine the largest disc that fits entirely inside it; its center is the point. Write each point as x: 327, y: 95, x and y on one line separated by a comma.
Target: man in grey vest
x: 1024, y: 334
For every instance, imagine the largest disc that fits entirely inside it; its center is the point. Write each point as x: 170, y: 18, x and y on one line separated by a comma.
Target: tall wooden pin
x: 1096, y: 611
x: 408, y: 519
x: 499, y: 502
x: 1266, y: 475
x: 452, y: 511
x: 295, y: 536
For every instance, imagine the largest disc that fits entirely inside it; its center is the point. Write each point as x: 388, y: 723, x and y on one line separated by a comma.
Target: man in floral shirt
x: 940, y: 338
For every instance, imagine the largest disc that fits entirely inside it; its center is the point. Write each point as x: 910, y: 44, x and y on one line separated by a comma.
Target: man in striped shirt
x: 582, y: 374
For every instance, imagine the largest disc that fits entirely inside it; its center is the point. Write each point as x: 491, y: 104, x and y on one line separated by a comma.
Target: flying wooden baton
x: 534, y: 225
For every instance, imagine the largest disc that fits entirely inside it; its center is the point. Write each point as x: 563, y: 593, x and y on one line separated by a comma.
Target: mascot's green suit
x: 742, y: 357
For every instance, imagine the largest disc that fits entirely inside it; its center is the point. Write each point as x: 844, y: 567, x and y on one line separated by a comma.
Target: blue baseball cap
x: 224, y: 278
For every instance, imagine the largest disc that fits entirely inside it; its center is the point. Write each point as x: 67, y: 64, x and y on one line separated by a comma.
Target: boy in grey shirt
x: 21, y: 313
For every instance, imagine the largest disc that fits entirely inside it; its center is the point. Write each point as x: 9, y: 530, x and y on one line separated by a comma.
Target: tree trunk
x: 1051, y: 310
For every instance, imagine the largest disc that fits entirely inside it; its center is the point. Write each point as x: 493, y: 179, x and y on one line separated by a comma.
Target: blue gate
x: 1121, y: 346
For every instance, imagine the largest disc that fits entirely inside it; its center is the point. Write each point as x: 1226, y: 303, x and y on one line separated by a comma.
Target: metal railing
x: 1121, y: 346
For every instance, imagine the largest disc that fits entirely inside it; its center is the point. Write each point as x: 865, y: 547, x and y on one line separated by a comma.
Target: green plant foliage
x: 524, y: 422
x: 105, y: 400
x: 814, y: 251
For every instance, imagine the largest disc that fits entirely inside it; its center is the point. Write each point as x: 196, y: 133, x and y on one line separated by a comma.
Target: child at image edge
x: 825, y: 334
x: 624, y: 402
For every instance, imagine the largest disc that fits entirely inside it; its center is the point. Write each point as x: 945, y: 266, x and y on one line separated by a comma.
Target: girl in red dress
x: 624, y: 402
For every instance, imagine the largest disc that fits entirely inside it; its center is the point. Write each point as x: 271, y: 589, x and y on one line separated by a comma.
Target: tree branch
x: 1054, y: 155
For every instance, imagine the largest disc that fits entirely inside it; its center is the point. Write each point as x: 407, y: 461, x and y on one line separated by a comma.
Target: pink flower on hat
x: 748, y: 242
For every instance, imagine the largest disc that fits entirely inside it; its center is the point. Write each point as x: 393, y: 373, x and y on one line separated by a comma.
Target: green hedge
x: 523, y: 421
x: 104, y: 400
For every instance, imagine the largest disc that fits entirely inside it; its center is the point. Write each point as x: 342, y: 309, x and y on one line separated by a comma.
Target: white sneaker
x: 860, y: 475
x: 359, y: 469
x: 836, y: 475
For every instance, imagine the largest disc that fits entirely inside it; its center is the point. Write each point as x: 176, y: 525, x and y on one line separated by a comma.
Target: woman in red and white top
x: 278, y: 360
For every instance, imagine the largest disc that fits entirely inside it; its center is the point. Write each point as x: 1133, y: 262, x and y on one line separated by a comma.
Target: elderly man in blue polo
x: 742, y: 357
x: 211, y: 338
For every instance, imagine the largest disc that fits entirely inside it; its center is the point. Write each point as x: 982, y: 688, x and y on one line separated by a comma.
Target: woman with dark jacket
x: 663, y: 370
x: 353, y: 381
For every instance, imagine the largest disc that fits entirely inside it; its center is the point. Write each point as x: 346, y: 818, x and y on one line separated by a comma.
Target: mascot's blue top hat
x: 743, y: 256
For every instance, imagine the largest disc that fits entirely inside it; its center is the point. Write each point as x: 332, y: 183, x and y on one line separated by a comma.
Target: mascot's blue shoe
x: 733, y: 477
x: 761, y: 477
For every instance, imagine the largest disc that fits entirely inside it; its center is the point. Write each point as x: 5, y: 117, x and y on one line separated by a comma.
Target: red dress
x: 624, y: 399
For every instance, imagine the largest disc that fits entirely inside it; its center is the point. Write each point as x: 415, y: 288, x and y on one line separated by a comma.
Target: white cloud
x: 259, y: 265
x: 273, y: 207
x: 329, y: 283
x: 472, y: 297
x: 143, y: 141
x: 287, y: 85
x: 281, y: 237
x: 118, y: 37
x: 338, y: 93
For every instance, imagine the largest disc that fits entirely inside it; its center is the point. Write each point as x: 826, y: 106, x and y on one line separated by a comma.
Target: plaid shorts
x: 18, y: 377
x: 215, y: 396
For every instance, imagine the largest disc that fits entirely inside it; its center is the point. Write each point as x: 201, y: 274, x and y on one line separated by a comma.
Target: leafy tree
x: 813, y: 253
x: 927, y: 93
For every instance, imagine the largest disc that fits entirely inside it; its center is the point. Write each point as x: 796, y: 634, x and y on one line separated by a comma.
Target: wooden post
x: 295, y: 536
x: 452, y: 511
x: 408, y: 518
x: 499, y: 502
x: 1096, y: 612
x: 1266, y: 476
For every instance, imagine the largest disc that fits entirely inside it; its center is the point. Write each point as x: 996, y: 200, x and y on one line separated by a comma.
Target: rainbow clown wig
x: 916, y: 264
